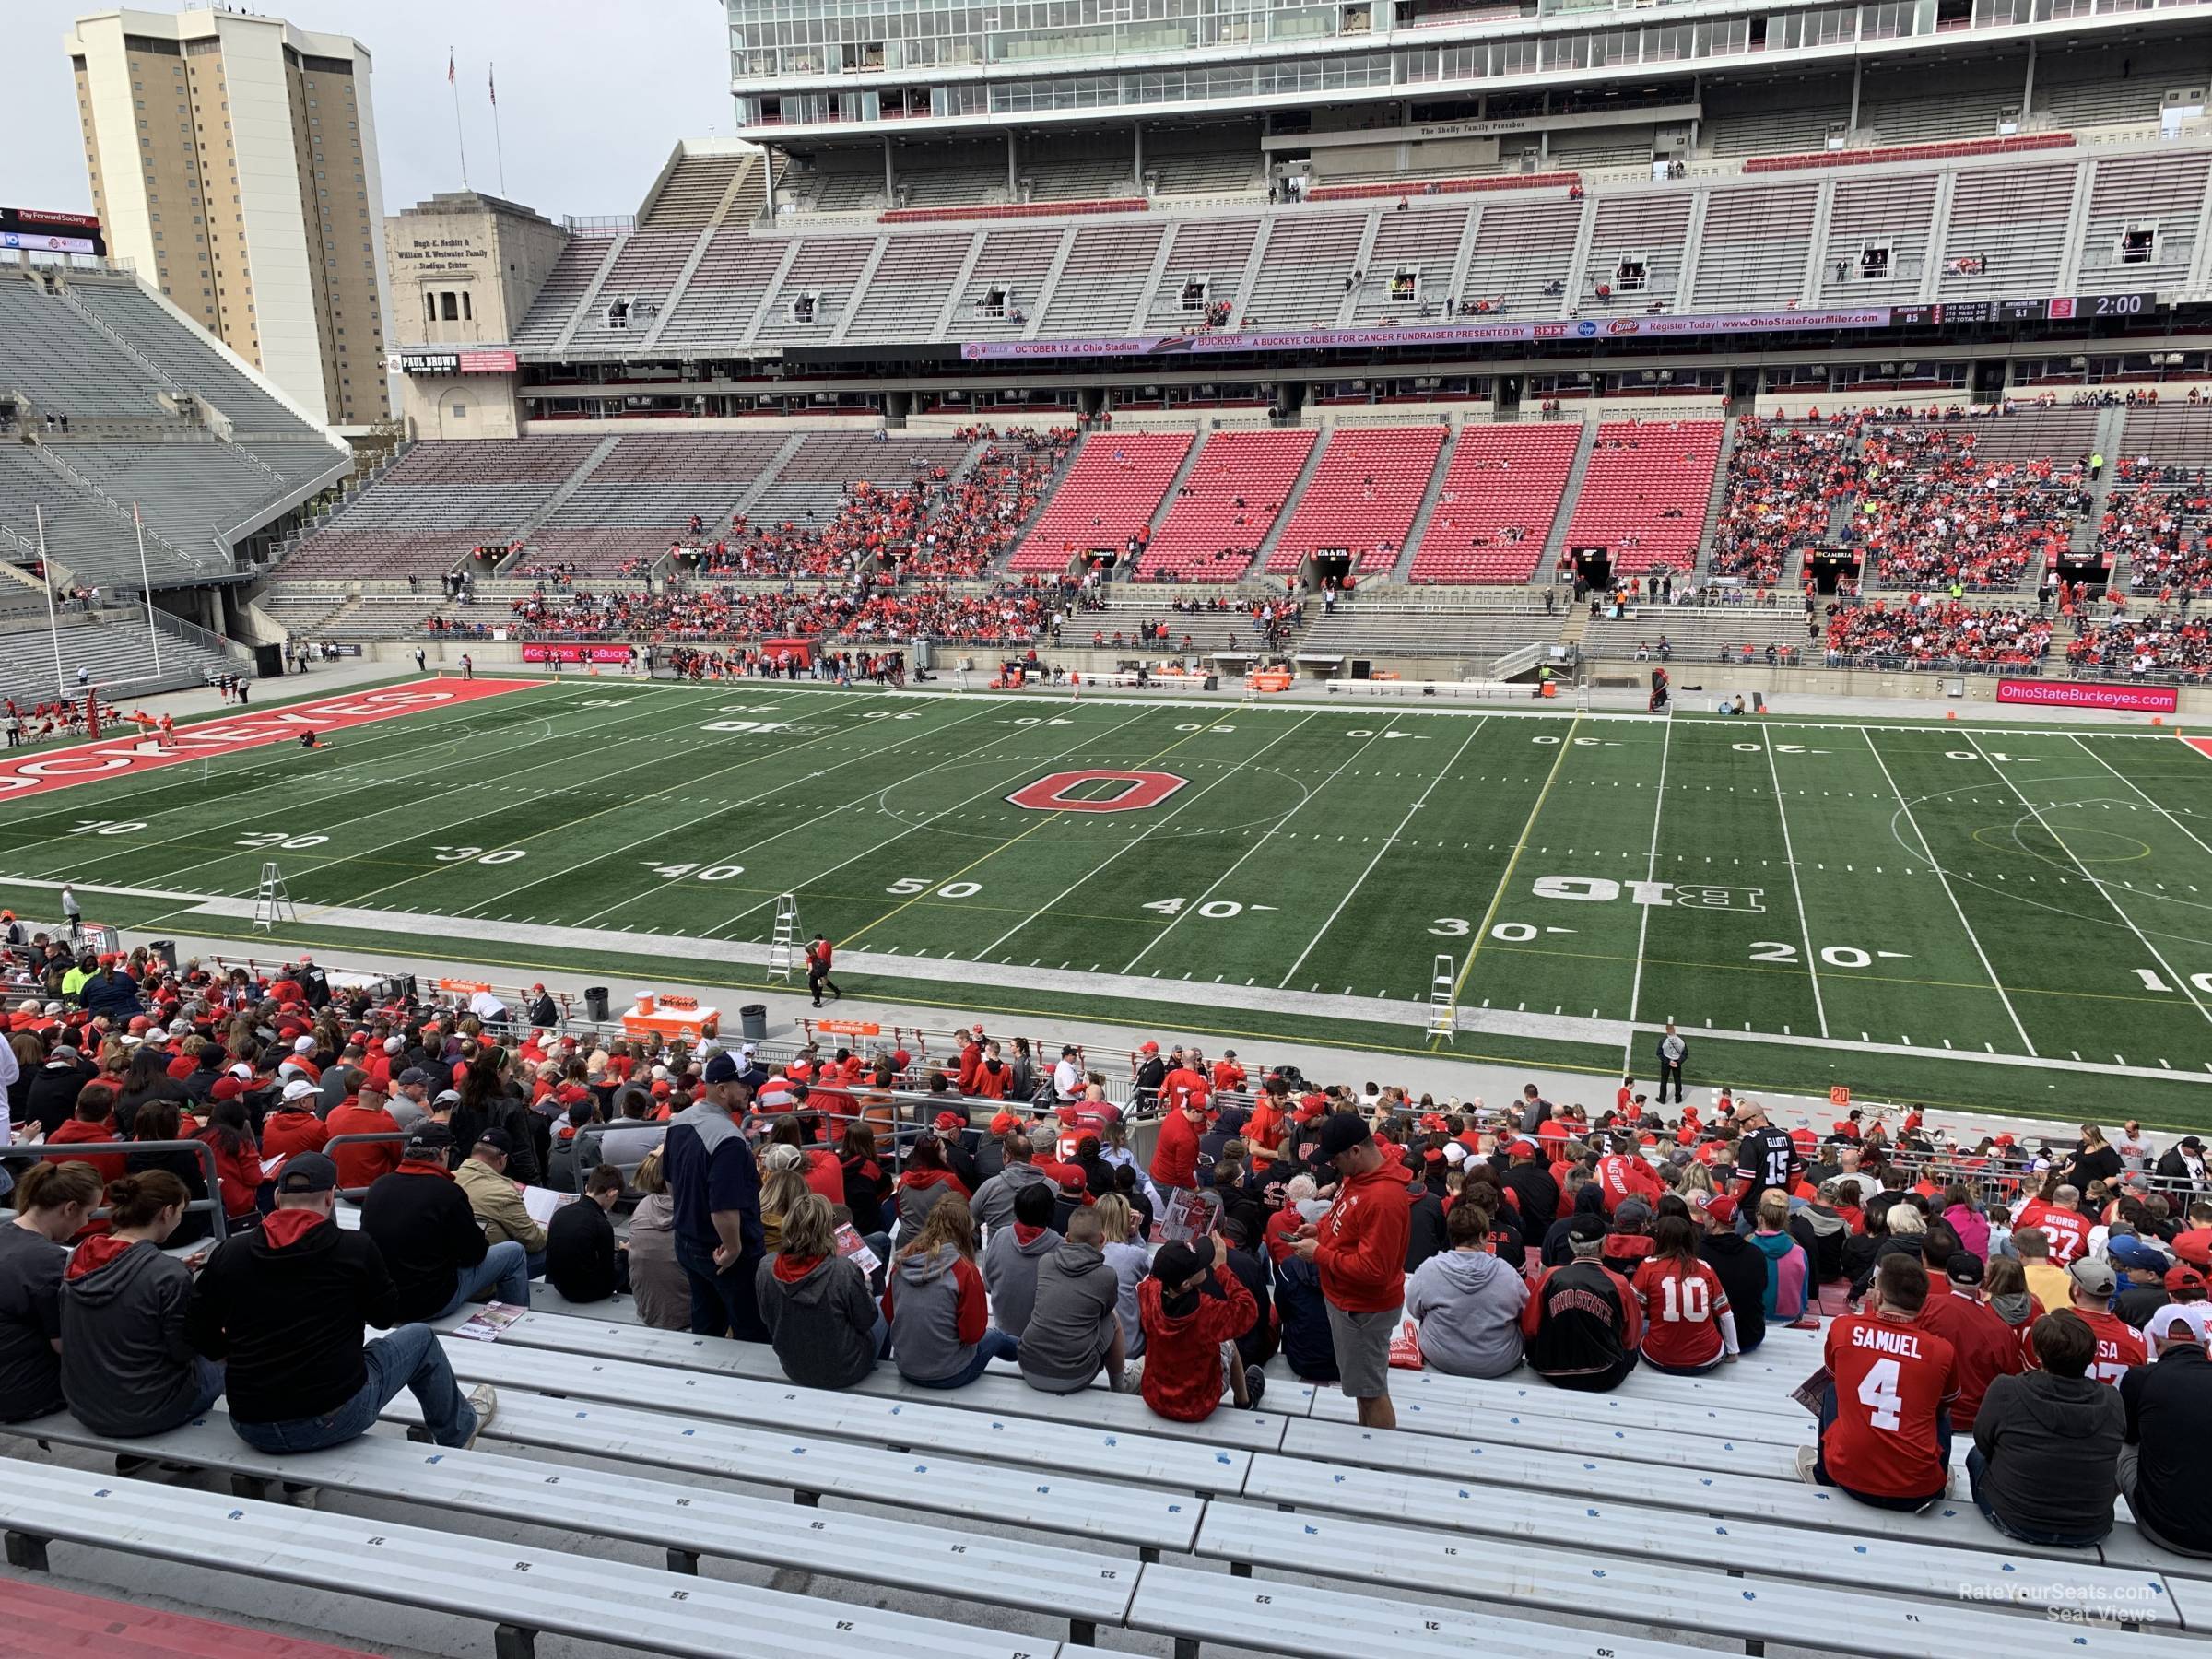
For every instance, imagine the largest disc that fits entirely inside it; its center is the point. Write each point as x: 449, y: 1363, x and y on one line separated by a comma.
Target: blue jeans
x: 410, y: 1357
x: 1820, y: 1474
x: 534, y: 1266
x: 996, y: 1344
x: 504, y: 1272
x: 1712, y: 1364
x: 721, y: 1303
x: 1977, y: 1469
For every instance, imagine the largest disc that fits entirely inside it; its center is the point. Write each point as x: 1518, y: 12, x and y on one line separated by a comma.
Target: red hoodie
x: 826, y: 1175
x: 1175, y: 1153
x: 1363, y: 1254
x: 108, y: 1166
x: 95, y: 1254
x: 362, y: 1163
x: 239, y: 1173
x: 288, y: 1130
x: 1183, y: 1354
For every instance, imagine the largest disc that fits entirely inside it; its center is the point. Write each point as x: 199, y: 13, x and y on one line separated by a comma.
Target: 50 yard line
x: 1812, y: 966
x: 1936, y: 864
x: 1651, y: 874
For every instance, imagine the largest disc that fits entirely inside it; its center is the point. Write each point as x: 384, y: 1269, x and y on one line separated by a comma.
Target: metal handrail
x: 81, y: 1151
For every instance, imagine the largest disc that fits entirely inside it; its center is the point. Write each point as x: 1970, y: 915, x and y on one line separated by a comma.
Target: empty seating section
x: 301, y: 610
x: 1871, y: 155
x: 1013, y: 266
x: 1878, y: 238
x: 1635, y: 252
x: 564, y: 290
x: 849, y: 190
x: 48, y: 354
x: 1227, y: 504
x: 1592, y: 147
x: 1699, y: 633
x: 1304, y: 270
x: 2141, y: 230
x: 638, y: 287
x: 1106, y: 498
x: 990, y: 210
x: 192, y: 494
x: 818, y: 290
x: 439, y: 500
x: 1409, y: 270
x: 1362, y: 497
x: 1208, y: 173
x: 718, y: 303
x: 1795, y: 117
x: 1521, y: 250
x: 2174, y: 434
x: 1210, y: 253
x: 1501, y: 496
x: 1444, y: 186
x: 952, y: 184
x: 116, y: 645
x: 2096, y: 85
x: 1754, y: 247
x: 909, y: 287
x: 1080, y: 178
x: 190, y: 359
x: 85, y: 536
x: 2007, y: 231
x: 1644, y: 492
x: 1902, y: 101
x: 692, y: 192
x: 641, y: 497
x: 1430, y: 631
x: 1104, y: 281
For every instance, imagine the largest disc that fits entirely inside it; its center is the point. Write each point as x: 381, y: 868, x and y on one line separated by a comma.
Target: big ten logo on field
x: 1098, y: 789
x: 1598, y: 889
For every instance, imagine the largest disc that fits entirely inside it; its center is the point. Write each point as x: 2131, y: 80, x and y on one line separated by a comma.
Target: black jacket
x: 579, y: 1251
x: 1741, y: 1266
x: 287, y: 1320
x: 2051, y: 1442
x: 1424, y: 1226
x: 52, y: 1099
x: 187, y: 1168
x: 2169, y: 1406
x: 1535, y: 1193
x: 426, y: 1232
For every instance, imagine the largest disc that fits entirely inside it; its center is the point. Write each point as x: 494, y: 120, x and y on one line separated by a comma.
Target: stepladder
x: 1444, y: 1012
x: 272, y: 900
x: 784, y: 942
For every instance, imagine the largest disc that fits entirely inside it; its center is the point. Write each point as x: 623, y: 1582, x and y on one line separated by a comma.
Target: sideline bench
x: 520, y: 1589
x: 1586, y: 1578
x: 1151, y: 1460
x: 1913, y: 1565
x: 813, y: 1469
x: 67, y: 1622
x: 688, y: 1521
x: 994, y: 1391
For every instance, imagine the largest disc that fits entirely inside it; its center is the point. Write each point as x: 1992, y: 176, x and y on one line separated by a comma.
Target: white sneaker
x: 483, y: 1400
x: 1131, y: 1380
x: 1808, y: 1459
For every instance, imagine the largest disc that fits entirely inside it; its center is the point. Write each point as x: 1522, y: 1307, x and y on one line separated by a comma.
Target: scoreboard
x: 2069, y: 308
x: 43, y: 232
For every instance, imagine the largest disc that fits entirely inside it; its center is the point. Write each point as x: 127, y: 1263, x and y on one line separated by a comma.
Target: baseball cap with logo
x: 2094, y: 1276
x: 307, y: 1173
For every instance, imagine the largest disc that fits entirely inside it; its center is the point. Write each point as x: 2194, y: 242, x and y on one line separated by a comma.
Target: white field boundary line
x: 1150, y: 829
x: 450, y: 931
x: 1958, y: 910
x: 1812, y: 962
x: 721, y: 928
x: 1358, y: 750
x: 1644, y: 925
x: 2037, y: 813
x: 685, y: 781
x: 1389, y: 842
x: 397, y: 805
x: 185, y: 776
x: 2156, y: 806
x: 811, y: 822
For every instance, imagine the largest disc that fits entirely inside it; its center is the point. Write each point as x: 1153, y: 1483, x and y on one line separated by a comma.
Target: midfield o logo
x: 1098, y: 789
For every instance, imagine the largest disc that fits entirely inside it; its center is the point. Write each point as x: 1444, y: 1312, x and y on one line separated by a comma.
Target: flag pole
x: 460, y: 143
x: 492, y: 82
x: 54, y: 627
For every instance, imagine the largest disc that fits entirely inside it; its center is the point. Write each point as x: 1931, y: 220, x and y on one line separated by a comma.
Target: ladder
x: 272, y: 901
x: 783, y: 942
x: 1444, y: 1015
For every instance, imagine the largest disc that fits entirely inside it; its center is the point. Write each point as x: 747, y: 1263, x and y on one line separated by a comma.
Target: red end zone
x: 45, y: 770
x: 2203, y: 745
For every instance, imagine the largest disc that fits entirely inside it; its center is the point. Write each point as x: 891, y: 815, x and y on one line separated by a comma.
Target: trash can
x: 595, y: 1004
x: 165, y: 953
x: 752, y: 1022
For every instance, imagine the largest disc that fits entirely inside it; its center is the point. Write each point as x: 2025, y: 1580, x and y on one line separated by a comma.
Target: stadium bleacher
x: 1644, y: 492
x: 1362, y: 497
x: 1502, y: 490
x: 1109, y: 494
x: 1226, y: 507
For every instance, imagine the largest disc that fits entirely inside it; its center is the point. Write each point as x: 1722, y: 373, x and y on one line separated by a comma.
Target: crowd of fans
x: 857, y: 1210
x: 1009, y: 612
x: 2155, y: 518
x: 1931, y: 515
x: 1783, y: 483
x: 2165, y: 643
x: 1924, y: 630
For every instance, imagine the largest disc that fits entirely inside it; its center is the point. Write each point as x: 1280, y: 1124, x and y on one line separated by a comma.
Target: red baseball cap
x: 953, y: 1120
x: 1722, y: 1210
x: 1523, y: 1149
x: 2185, y: 1277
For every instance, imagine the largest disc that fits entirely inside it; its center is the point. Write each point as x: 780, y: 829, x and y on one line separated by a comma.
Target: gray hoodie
x: 126, y: 1368
x: 820, y: 1320
x: 1469, y: 1306
x: 1130, y: 1262
x: 1010, y: 1275
x: 656, y: 1280
x: 993, y: 1206
x: 925, y: 1294
x: 1072, y: 1325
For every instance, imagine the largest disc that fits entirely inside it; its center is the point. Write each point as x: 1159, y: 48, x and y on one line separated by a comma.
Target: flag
x: 448, y: 65
x: 491, y: 79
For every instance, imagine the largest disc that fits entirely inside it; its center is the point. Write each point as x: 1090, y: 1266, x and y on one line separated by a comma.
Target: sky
x: 591, y: 96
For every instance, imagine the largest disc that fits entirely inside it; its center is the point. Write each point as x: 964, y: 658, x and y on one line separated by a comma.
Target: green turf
x: 1816, y: 884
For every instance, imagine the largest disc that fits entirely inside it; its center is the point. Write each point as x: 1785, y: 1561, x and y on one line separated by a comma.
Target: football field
x: 1948, y: 912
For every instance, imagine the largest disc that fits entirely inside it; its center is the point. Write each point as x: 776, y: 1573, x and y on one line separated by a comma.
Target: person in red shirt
x: 1688, y: 1327
x: 1263, y: 1129
x: 1359, y: 1248
x: 2119, y: 1347
x: 362, y: 1162
x: 1623, y: 1174
x: 1175, y: 1153
x: 293, y: 1127
x: 1984, y: 1345
x: 93, y: 1119
x: 1229, y: 1077
x: 1184, y: 1086
x: 972, y: 1057
x: 2061, y: 1221
x: 1885, y: 1423
x: 1191, y: 1337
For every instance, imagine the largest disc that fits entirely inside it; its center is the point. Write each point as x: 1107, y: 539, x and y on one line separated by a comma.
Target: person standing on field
x: 1674, y: 1048
x: 818, y: 954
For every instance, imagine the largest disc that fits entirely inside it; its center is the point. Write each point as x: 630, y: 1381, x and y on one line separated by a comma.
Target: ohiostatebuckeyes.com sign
x: 2090, y: 694
x: 578, y: 653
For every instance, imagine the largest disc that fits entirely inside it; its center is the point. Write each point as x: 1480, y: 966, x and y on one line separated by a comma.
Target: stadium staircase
x: 1291, y: 499
x: 1556, y: 543
x: 569, y: 486
x: 1718, y: 495
x: 1402, y: 573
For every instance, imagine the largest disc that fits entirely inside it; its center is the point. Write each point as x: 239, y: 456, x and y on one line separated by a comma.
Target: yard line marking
x: 1790, y: 857
x: 1137, y: 841
x: 1384, y: 848
x: 1651, y: 872
x: 2181, y: 979
x: 1934, y: 863
x: 1511, y: 862
x: 876, y: 847
x: 1321, y: 789
x: 2156, y: 806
